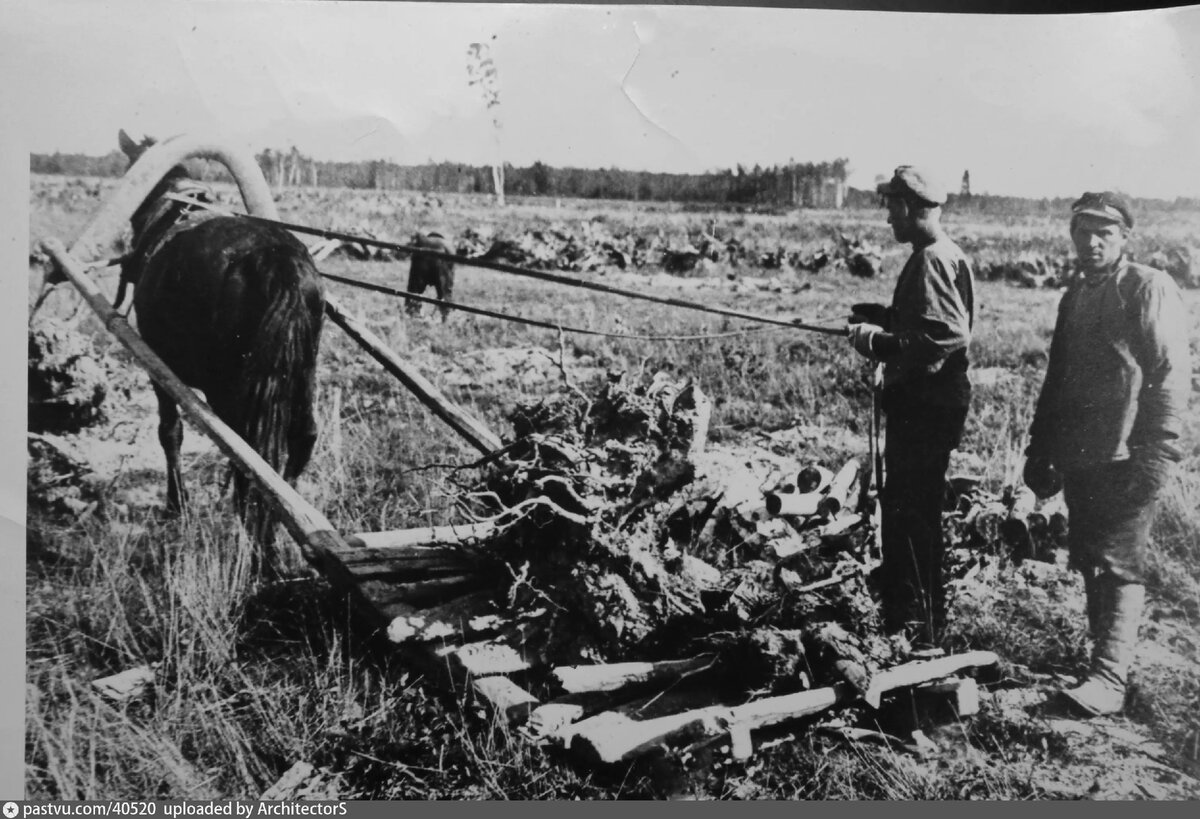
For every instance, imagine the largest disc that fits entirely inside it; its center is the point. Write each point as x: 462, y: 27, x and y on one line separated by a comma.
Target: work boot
x: 1120, y: 614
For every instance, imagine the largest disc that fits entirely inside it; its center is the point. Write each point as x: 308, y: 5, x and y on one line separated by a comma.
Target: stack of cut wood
x: 1013, y: 524
x: 625, y: 584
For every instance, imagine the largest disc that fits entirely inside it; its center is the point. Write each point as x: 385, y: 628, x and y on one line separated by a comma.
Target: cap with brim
x: 908, y: 181
x: 1109, y: 206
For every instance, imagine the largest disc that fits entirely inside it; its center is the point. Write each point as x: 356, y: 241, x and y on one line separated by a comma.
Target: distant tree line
x: 808, y: 184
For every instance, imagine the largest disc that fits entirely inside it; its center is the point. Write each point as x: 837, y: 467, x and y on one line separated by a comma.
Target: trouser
x: 1108, y: 528
x: 919, y: 440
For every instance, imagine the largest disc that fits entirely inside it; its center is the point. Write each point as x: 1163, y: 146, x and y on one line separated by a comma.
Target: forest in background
x: 795, y: 185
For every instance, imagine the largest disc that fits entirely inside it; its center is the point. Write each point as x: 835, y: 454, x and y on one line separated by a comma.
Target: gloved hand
x: 861, y: 336
x: 870, y: 313
x: 1042, y: 477
x: 1149, y: 468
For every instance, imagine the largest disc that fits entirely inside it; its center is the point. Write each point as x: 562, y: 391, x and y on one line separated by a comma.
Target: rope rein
x: 563, y: 328
x: 520, y: 271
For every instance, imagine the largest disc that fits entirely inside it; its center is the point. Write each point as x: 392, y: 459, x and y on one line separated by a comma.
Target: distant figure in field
x: 426, y: 271
x: 922, y: 339
x: 1107, y: 429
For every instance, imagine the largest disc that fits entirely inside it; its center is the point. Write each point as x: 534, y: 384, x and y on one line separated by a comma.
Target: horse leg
x: 445, y: 288
x: 170, y: 435
x: 416, y: 284
x: 301, y: 440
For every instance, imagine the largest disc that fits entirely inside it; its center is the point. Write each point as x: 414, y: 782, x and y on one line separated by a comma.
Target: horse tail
x: 277, y: 388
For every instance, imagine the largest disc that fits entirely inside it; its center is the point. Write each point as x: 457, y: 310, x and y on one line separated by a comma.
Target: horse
x: 430, y: 271
x: 235, y: 309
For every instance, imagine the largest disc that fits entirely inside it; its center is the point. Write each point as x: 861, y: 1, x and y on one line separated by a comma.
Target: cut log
x: 428, y: 536
x: 612, y: 737
x: 792, y: 503
x: 813, y: 478
x: 610, y: 677
x: 505, y: 697
x: 449, y: 620
x: 840, y: 489
x: 911, y: 674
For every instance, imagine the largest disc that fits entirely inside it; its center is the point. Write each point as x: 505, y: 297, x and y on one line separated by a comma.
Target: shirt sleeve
x: 1041, y: 430
x: 940, y: 323
x: 1161, y: 349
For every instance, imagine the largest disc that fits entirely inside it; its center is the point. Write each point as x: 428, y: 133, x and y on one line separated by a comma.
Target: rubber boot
x: 1119, y: 614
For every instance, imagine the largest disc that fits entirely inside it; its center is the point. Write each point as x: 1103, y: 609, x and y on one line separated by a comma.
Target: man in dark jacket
x: 922, y: 340
x: 1107, y: 427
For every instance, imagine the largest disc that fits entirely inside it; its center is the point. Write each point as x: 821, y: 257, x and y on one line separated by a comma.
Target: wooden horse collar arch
x: 149, y: 170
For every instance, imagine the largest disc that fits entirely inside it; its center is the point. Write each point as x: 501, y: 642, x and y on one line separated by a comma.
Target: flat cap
x: 1107, y: 205
x: 909, y: 181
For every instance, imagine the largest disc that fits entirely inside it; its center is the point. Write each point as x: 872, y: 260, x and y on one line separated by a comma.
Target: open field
x: 262, y: 674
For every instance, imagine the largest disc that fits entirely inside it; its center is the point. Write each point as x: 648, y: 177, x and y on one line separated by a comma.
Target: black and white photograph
x: 480, y: 401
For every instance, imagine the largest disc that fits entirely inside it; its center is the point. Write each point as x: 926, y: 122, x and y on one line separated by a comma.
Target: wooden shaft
x: 459, y: 420
x: 311, y: 530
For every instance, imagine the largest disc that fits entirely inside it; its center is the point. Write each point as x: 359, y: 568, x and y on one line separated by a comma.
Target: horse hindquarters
x: 277, y: 386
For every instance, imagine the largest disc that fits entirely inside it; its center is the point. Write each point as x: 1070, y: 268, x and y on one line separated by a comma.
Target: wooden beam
x: 912, y: 674
x: 612, y: 676
x: 408, y: 564
x: 611, y: 737
x: 463, y: 534
x: 505, y: 697
x: 459, y: 419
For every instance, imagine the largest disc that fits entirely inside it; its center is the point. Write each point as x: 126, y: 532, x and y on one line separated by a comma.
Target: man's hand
x: 869, y: 313
x: 861, y: 337
x: 1042, y: 477
x: 1149, y: 468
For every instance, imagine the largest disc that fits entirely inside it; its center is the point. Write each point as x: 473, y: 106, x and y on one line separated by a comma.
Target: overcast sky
x: 1032, y: 105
